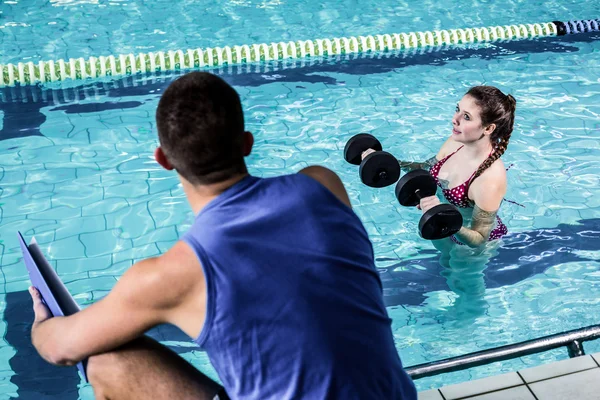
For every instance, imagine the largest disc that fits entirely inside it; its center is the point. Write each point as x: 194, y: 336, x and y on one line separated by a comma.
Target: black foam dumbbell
x: 438, y: 222
x: 377, y: 169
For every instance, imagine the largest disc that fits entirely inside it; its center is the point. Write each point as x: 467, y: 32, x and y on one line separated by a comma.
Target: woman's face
x: 466, y: 122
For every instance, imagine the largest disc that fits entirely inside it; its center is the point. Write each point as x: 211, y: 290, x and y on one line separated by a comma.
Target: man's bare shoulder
x: 180, y: 261
x: 168, y: 276
x: 183, y: 283
x: 330, y: 180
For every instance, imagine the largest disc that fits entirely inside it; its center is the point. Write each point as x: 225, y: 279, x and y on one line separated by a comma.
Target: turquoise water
x: 77, y: 169
x: 80, y: 28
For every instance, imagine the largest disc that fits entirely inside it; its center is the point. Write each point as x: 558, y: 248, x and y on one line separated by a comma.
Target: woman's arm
x: 482, y: 225
x: 487, y: 195
x: 408, y: 166
x: 449, y: 146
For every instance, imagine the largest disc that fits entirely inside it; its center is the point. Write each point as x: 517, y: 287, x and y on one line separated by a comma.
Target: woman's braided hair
x: 496, y: 108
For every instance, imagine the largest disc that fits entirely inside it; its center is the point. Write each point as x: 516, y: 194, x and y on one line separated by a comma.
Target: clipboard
x: 54, y: 293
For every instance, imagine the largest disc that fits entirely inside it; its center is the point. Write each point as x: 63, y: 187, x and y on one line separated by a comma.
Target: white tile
x: 596, y: 356
x: 432, y: 394
x: 580, y: 385
x: 516, y: 393
x: 481, y: 386
x: 558, y: 368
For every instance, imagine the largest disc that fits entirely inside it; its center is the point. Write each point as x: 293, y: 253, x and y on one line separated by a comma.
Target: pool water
x: 57, y: 29
x: 77, y: 170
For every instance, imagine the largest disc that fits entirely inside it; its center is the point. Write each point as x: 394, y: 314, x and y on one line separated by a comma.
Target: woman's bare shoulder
x: 449, y: 146
x: 490, y: 187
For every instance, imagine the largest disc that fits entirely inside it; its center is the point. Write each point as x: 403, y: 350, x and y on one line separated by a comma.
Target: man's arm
x: 165, y: 289
x: 330, y: 180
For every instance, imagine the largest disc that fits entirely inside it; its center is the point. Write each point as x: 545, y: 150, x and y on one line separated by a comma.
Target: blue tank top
x: 295, y: 306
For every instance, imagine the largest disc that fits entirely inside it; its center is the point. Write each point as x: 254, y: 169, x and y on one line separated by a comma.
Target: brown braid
x: 499, y: 109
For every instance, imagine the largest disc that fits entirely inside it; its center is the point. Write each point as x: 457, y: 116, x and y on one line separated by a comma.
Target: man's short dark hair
x: 201, y: 128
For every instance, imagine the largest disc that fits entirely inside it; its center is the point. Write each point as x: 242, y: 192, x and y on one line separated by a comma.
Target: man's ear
x: 248, y: 143
x: 160, y: 157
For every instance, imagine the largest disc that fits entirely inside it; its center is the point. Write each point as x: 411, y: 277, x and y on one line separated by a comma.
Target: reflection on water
x: 466, y: 272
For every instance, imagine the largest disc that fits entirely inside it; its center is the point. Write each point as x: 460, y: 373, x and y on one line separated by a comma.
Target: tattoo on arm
x: 481, y: 226
x: 408, y: 166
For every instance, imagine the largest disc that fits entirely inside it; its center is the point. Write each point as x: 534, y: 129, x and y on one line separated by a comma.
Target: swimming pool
x: 77, y: 168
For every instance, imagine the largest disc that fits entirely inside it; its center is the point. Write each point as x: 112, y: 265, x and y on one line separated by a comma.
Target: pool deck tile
x: 481, y: 386
x: 559, y: 368
x: 581, y: 386
x: 433, y: 394
x: 574, y: 378
x: 515, y: 393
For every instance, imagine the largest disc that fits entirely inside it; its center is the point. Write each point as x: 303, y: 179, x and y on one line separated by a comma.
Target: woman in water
x: 471, y: 175
x: 468, y: 167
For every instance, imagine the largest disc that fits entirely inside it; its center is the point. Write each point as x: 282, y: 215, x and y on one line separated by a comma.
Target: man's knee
x: 100, y: 372
x: 105, y: 366
x: 122, y: 371
x: 101, y: 366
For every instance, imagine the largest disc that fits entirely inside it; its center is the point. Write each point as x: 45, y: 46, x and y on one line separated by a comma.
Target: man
x: 275, y: 280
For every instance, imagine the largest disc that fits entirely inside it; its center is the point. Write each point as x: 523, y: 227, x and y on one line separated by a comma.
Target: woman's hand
x: 427, y: 203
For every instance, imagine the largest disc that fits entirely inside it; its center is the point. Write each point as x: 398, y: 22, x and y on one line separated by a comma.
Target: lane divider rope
x: 31, y: 73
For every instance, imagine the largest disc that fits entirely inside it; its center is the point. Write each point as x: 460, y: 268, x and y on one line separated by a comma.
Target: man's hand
x: 428, y: 203
x: 40, y: 310
x: 168, y: 289
x: 42, y: 313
